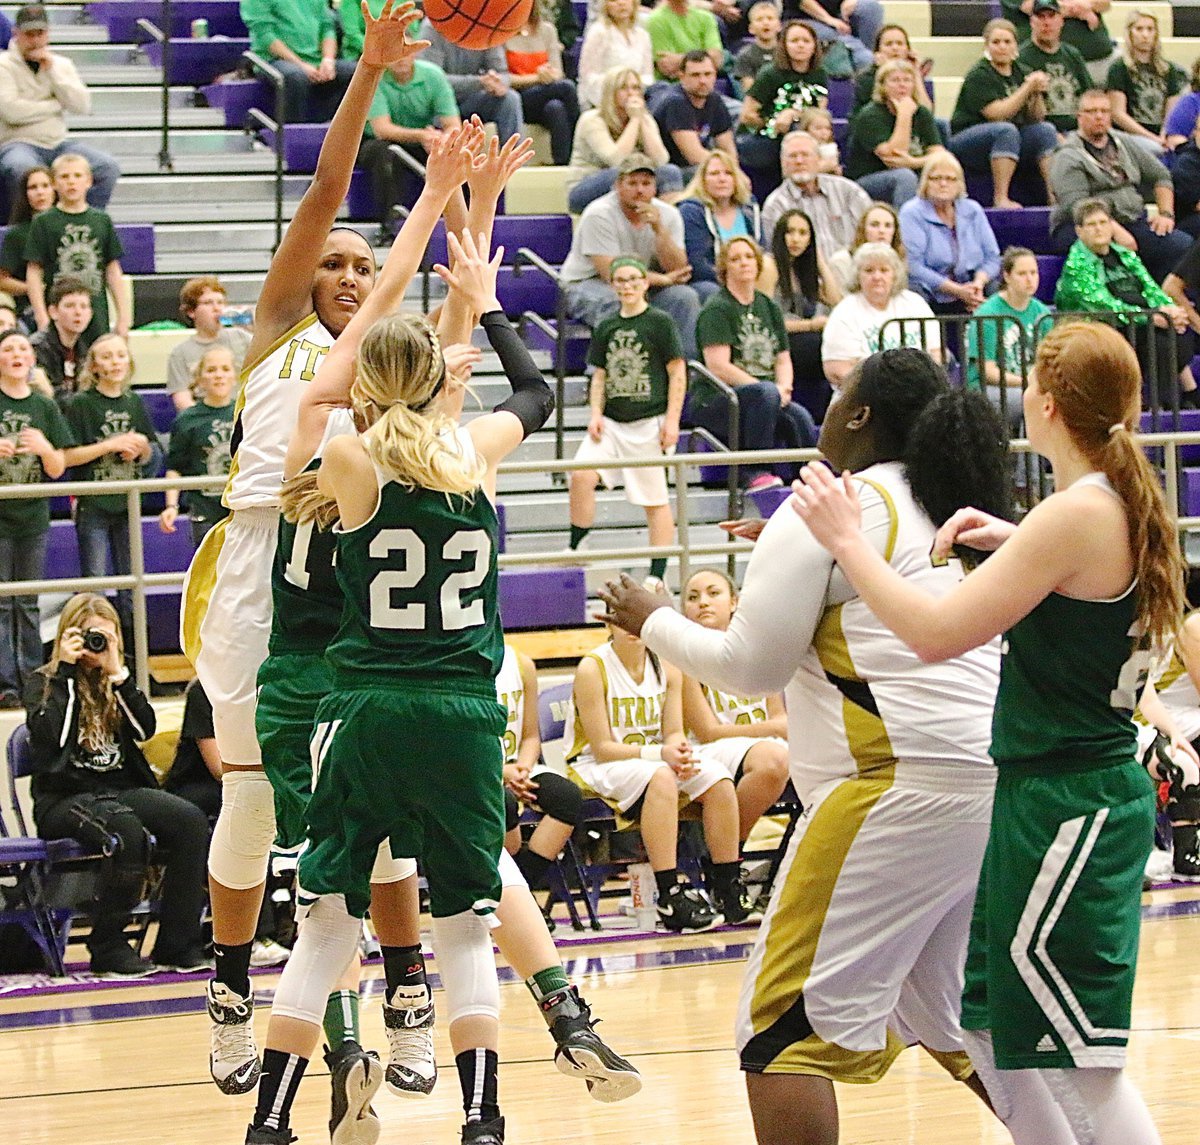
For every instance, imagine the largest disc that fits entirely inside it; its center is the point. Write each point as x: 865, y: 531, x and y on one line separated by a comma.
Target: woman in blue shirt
x: 717, y: 206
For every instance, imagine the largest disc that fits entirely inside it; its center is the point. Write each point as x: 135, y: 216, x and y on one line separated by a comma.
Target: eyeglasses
x: 631, y: 280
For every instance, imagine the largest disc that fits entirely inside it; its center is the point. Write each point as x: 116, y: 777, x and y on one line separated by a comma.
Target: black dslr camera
x: 95, y: 641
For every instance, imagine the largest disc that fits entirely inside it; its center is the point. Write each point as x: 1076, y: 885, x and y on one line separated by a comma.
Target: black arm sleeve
x: 52, y: 716
x: 532, y: 401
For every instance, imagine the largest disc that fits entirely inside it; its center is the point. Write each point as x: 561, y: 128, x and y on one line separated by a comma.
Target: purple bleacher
x: 120, y: 17
x: 1049, y: 268
x: 137, y: 239
x: 163, y: 552
x: 236, y: 97
x: 546, y: 235
x: 62, y: 551
x: 197, y: 62
x: 766, y: 501
x: 577, y: 344
x: 1027, y: 187
x: 360, y: 202
x: 301, y: 144
x: 1189, y: 421
x: 1189, y: 492
x: 529, y: 290
x: 542, y: 598
x: 841, y: 98
x: 161, y: 408
x: 1028, y: 228
x: 711, y: 476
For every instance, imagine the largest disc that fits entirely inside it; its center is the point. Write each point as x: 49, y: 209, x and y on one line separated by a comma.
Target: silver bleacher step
x: 143, y: 98
x: 537, y: 511
x: 99, y: 56
x: 217, y: 143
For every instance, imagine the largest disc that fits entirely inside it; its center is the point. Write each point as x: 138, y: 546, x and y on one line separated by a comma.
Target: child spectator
x: 200, y: 443
x: 73, y: 238
x: 202, y: 303
x: 33, y: 436
x: 764, y: 28
x: 62, y: 346
x: 818, y: 122
x: 636, y: 397
x: 116, y: 443
x: 37, y: 195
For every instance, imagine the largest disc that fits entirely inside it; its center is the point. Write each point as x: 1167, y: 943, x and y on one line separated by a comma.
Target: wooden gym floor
x: 127, y: 1063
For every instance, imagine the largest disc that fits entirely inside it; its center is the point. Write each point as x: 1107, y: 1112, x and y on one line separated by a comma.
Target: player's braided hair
x: 1092, y: 373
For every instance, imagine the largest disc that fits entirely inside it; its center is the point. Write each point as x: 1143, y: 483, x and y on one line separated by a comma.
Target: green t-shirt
x: 12, y: 253
x: 28, y: 518
x: 1091, y: 43
x: 1069, y: 79
x: 633, y: 353
x: 94, y: 417
x: 755, y: 334
x: 422, y: 102
x: 864, y: 90
x: 777, y: 90
x: 200, y: 445
x: 982, y: 85
x: 1146, y: 92
x: 80, y: 245
x: 1003, y: 333
x: 874, y: 125
x: 301, y: 24
x: 670, y: 32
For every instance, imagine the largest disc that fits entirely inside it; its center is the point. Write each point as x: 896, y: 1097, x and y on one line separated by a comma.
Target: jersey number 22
x: 455, y: 614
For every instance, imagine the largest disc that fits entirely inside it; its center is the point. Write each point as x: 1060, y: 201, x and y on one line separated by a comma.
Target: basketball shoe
x: 264, y: 1136
x: 356, y: 1075
x: 685, y: 910
x: 581, y: 1053
x: 408, y: 1019
x: 483, y: 1132
x: 233, y: 1060
x: 738, y: 907
x: 1186, y: 848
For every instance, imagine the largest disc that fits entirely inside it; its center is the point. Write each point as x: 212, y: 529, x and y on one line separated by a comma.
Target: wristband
x: 1166, y: 214
x: 652, y: 753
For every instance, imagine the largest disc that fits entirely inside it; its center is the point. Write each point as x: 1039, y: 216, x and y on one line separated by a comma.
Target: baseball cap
x: 635, y: 161
x: 1045, y: 6
x: 32, y: 18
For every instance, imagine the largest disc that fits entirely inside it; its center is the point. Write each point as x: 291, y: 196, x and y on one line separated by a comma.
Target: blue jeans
x: 764, y: 422
x: 17, y: 158
x: 865, y: 25
x: 306, y: 102
x: 896, y: 185
x: 502, y: 110
x: 22, y: 558
x: 592, y: 300
x: 597, y: 183
x: 974, y: 147
x: 103, y: 543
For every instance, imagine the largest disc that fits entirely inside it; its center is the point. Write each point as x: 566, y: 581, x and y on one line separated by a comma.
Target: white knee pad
x: 325, y: 944
x: 1103, y: 1106
x: 240, y: 851
x: 462, y: 945
x: 510, y: 873
x: 391, y: 870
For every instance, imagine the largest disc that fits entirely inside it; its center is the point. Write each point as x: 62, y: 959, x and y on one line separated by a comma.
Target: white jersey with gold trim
x: 510, y: 691
x: 1179, y: 696
x: 267, y: 407
x: 634, y: 710
x: 735, y: 710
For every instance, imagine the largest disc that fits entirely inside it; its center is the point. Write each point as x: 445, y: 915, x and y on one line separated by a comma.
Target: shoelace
x: 411, y: 1046
x: 233, y: 1044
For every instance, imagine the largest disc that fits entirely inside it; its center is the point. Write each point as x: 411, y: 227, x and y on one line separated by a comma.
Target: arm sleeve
x: 197, y: 715
x: 713, y: 327
x: 177, y: 449
x: 840, y: 341
x: 52, y: 717
x: 531, y: 401
x: 141, y: 419
x: 16, y: 111
x: 988, y: 244
x: 136, y: 709
x: 179, y: 378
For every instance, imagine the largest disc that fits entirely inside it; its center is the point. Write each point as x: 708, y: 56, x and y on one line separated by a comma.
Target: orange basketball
x: 478, y: 24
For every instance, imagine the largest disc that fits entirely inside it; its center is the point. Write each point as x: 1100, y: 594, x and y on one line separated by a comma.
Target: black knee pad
x: 512, y: 813
x: 559, y: 798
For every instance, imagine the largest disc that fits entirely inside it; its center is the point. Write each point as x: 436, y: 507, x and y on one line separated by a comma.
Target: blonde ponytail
x: 419, y: 451
x: 301, y: 501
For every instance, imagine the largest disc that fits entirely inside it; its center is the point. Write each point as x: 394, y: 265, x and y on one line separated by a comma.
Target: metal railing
x: 163, y: 37
x: 684, y: 550
x: 255, y: 115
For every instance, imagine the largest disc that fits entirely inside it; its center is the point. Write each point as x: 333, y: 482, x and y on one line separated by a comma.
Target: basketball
x: 478, y: 24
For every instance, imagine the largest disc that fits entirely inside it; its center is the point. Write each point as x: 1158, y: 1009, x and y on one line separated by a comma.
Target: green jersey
x: 199, y: 446
x: 755, y: 334
x: 1069, y: 683
x: 94, y: 417
x: 633, y: 353
x: 422, y: 594
x: 29, y: 517
x: 1069, y: 79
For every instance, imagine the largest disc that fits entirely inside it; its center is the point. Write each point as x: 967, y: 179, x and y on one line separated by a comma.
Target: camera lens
x: 95, y: 641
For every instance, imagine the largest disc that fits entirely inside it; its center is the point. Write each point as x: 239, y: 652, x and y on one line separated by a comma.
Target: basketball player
x: 311, y: 292
x: 1091, y: 579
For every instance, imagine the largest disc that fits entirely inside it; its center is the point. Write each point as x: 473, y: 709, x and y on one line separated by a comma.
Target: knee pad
x: 559, y: 798
x: 240, y: 851
x: 463, y: 946
x: 327, y: 941
x: 510, y: 873
x: 389, y: 869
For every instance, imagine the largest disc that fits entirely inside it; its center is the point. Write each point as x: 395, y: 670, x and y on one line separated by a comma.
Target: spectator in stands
x: 1143, y: 87
x: 1083, y: 29
x: 5, y: 30
x: 548, y: 98
x: 676, y: 28
x: 999, y: 118
x: 764, y: 32
x: 807, y: 290
x: 36, y: 195
x: 818, y: 122
x: 116, y: 442
x: 893, y: 137
x: 1102, y: 275
x: 1183, y: 285
x: 855, y: 23
x: 630, y: 220
x: 717, y: 206
x: 91, y: 782
x: 742, y: 335
x: 1182, y: 119
x: 38, y: 88
x: 636, y: 399
x: 793, y: 81
x: 1185, y: 178
x: 8, y: 313
x: 834, y: 204
x: 202, y: 304
x: 692, y: 117
x: 608, y: 134
x: 299, y: 38
x: 952, y: 251
x: 614, y: 39
x: 880, y: 223
x: 413, y: 106
x: 31, y: 451
x: 892, y: 43
x: 63, y: 345
x: 1096, y: 163
x: 480, y: 80
x: 1001, y: 350
x: 865, y: 320
x: 1065, y: 67
x: 76, y: 239
x: 199, y: 444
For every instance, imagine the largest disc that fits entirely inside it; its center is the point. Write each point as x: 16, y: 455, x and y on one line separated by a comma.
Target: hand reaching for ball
x: 385, y: 40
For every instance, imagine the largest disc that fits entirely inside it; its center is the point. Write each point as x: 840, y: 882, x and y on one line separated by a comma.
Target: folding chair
x: 23, y: 864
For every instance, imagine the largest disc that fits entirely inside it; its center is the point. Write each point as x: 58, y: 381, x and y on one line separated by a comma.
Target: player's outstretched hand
x: 495, y: 165
x: 827, y: 504
x: 449, y: 162
x: 973, y: 528
x: 474, y: 275
x: 385, y: 40
x: 629, y: 604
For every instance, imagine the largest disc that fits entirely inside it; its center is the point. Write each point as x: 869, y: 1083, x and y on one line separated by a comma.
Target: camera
x: 95, y: 640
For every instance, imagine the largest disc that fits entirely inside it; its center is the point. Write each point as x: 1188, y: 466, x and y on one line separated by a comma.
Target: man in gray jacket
x: 479, y: 81
x: 1096, y: 162
x: 37, y: 89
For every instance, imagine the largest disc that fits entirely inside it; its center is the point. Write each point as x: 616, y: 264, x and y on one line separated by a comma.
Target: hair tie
x: 1116, y: 425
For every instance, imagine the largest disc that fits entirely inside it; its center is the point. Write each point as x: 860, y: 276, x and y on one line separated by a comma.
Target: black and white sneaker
x: 581, y: 1053
x: 483, y: 1132
x: 121, y: 961
x: 356, y: 1075
x: 686, y: 910
x: 261, y: 1135
x: 233, y: 1060
x: 1186, y: 847
x: 188, y: 961
x: 739, y: 907
x: 408, y: 1019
